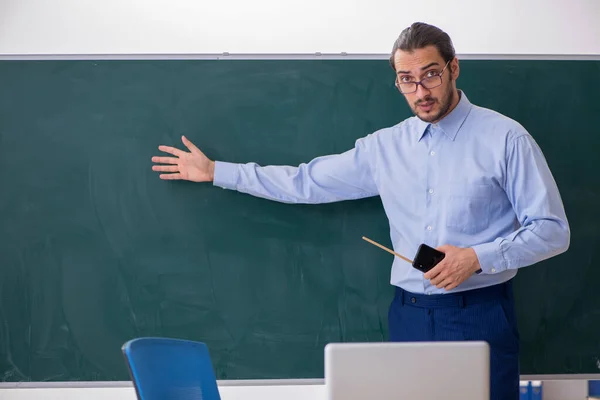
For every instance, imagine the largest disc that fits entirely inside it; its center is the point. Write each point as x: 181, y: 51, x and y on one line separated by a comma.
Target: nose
x: 422, y: 92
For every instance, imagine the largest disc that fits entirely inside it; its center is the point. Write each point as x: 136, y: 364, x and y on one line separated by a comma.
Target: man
x: 464, y: 179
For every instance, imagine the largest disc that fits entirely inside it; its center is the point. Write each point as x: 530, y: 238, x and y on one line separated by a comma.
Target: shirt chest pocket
x: 468, y: 207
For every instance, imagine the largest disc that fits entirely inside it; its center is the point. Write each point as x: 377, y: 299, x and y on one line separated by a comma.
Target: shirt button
x: 430, y: 228
x: 432, y: 153
x: 430, y: 191
x: 493, y: 270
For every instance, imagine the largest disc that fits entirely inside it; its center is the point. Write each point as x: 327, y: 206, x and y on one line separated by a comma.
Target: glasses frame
x: 417, y: 83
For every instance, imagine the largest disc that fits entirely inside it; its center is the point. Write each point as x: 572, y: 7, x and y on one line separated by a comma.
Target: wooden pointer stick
x: 386, y: 249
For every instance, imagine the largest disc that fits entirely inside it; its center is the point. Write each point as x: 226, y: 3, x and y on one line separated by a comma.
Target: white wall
x: 532, y: 27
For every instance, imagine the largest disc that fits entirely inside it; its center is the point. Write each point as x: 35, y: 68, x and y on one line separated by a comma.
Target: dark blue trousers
x: 482, y: 314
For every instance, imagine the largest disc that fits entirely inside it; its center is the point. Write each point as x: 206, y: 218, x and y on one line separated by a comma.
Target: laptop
x: 408, y: 370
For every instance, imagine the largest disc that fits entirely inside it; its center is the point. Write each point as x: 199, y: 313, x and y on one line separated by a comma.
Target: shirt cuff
x: 490, y: 257
x: 226, y: 175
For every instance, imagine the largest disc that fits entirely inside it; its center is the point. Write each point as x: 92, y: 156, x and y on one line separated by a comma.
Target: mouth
x: 426, y: 106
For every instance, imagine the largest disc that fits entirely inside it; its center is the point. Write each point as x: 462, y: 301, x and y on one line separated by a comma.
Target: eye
x: 405, y: 79
x: 431, y: 73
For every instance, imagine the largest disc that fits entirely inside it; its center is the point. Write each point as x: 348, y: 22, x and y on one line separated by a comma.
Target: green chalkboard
x: 96, y: 250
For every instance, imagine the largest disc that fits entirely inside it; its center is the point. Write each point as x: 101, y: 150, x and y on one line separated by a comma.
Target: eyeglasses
x: 428, y: 83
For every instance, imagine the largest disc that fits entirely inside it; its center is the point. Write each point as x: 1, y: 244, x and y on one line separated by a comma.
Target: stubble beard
x: 444, y: 107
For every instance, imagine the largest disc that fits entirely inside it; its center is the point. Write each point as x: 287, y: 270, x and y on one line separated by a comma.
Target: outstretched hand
x: 190, y: 166
x: 458, y: 265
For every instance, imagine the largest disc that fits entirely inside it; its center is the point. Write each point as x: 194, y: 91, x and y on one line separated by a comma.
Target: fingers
x: 444, y: 281
x: 438, y: 280
x: 438, y: 275
x: 447, y: 284
x: 191, y: 146
x: 165, y: 168
x: 171, y: 150
x: 176, y: 152
x: 435, y: 271
x: 165, y: 160
x: 170, y: 176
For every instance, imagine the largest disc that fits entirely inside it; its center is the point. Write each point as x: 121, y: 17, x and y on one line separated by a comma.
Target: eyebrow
x: 422, y: 68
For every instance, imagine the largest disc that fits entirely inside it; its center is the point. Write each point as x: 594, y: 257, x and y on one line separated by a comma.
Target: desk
x: 575, y: 389
x: 126, y: 392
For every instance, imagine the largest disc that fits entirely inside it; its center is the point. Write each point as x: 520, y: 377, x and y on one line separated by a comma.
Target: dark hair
x: 420, y: 35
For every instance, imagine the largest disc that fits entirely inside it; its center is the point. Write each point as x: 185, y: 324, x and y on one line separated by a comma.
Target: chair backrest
x: 163, y: 368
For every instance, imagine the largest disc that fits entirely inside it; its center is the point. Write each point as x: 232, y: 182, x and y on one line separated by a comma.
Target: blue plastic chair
x: 163, y: 368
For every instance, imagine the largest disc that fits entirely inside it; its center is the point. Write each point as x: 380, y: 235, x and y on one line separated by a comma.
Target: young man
x: 464, y: 179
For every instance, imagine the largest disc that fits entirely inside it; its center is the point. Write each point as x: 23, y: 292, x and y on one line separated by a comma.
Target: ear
x: 455, y: 68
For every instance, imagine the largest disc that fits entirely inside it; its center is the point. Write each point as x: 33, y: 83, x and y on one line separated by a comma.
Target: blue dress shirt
x: 475, y: 179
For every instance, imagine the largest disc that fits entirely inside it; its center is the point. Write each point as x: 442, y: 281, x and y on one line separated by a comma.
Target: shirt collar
x: 452, y: 122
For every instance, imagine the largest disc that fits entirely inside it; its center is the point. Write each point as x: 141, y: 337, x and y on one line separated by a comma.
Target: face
x: 433, y: 104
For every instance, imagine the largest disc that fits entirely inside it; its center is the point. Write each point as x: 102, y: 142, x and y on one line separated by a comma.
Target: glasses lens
x: 431, y: 82
x: 407, y: 87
